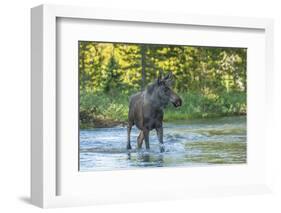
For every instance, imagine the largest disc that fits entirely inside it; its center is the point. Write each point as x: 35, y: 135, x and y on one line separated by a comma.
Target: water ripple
x: 199, y: 142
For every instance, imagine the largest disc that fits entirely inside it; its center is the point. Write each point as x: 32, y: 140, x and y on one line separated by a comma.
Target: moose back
x: 146, y: 110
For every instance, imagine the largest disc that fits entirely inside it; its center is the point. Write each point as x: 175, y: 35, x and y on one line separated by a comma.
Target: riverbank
x: 109, y: 110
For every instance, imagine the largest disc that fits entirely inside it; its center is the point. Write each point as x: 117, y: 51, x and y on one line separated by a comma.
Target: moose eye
x: 166, y: 89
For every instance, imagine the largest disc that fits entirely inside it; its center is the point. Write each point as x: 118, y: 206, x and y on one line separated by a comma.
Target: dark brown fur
x: 146, y: 110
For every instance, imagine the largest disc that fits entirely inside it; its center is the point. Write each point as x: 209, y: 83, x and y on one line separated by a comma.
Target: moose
x: 146, y: 110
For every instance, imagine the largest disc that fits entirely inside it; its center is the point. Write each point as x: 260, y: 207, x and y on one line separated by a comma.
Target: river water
x: 187, y: 143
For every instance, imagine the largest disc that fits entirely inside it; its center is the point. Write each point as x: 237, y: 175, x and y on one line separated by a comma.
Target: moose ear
x: 168, y: 79
x: 159, y: 80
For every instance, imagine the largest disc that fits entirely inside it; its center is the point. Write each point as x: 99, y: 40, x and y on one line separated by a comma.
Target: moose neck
x: 152, y: 99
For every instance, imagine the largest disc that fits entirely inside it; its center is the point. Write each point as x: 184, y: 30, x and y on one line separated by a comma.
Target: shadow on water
x: 146, y: 159
x: 187, y: 143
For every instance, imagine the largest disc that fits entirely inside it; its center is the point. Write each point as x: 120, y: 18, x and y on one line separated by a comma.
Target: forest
x: 211, y: 81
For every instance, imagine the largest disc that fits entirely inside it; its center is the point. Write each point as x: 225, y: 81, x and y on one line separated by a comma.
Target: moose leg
x: 129, y: 128
x: 140, y: 139
x: 146, y: 138
x: 160, y: 138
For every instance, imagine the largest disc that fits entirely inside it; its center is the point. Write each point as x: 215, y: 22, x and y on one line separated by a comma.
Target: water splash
x: 187, y: 143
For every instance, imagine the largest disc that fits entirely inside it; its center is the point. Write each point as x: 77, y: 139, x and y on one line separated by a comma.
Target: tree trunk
x: 143, y: 65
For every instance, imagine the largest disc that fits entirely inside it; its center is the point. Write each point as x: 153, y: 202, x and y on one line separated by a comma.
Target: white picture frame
x: 45, y: 178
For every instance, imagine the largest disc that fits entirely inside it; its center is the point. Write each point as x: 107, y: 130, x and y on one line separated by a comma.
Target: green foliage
x: 109, y: 66
x: 97, y: 107
x: 211, y: 80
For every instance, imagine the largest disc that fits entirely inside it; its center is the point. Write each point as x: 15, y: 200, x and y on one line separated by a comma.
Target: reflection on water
x: 187, y: 143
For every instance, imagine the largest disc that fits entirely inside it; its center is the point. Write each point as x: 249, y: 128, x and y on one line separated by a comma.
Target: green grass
x: 196, y: 105
x: 100, y: 109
